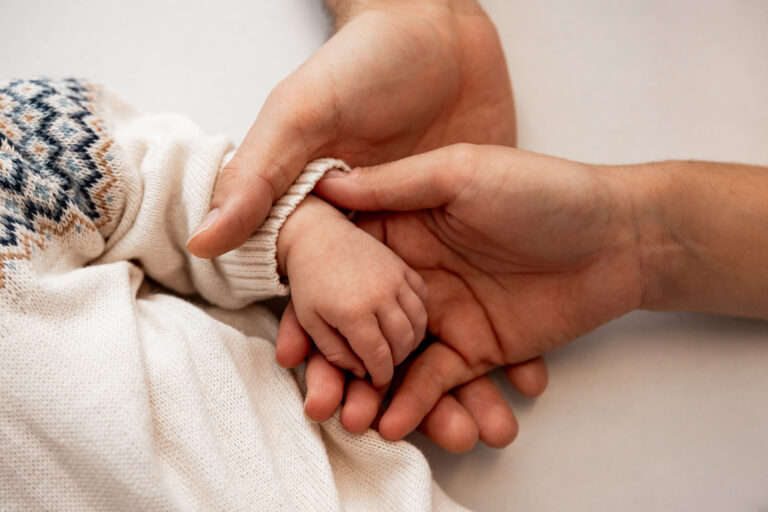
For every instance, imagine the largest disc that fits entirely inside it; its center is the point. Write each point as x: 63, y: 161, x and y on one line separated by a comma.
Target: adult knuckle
x: 432, y: 374
x: 229, y: 177
x: 456, y: 161
x: 230, y: 171
x: 265, y: 182
x: 304, y: 107
x: 463, y: 153
x: 307, y: 318
x: 239, y: 179
x: 242, y: 227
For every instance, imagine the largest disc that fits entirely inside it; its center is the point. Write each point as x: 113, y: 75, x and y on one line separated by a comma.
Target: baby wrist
x: 252, y: 268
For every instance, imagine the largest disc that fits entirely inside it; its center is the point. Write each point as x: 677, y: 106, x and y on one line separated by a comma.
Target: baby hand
x: 361, y: 304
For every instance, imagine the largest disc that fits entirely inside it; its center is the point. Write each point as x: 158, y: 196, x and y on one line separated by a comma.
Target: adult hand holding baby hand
x: 522, y: 253
x: 475, y: 410
x: 398, y: 78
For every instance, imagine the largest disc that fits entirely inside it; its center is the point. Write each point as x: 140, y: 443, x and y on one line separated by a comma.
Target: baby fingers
x: 397, y: 329
x: 333, y: 346
x: 366, y: 338
x: 414, y: 308
x: 417, y: 284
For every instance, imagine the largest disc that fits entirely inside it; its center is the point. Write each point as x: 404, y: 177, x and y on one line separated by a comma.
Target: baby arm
x: 360, y: 303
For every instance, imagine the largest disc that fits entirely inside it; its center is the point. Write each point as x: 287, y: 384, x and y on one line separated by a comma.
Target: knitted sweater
x: 134, y: 376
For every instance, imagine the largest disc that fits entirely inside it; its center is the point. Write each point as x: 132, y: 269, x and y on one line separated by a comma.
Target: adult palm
x: 522, y: 253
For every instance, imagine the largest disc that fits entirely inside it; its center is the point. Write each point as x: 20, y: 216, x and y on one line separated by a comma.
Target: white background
x: 652, y: 412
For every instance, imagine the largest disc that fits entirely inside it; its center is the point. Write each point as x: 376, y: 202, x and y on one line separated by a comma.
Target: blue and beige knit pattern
x: 56, y: 165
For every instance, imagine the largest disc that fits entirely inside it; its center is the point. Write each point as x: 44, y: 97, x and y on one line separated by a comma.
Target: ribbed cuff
x: 252, y: 268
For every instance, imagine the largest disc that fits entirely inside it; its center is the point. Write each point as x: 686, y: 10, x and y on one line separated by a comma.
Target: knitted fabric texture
x: 121, y: 389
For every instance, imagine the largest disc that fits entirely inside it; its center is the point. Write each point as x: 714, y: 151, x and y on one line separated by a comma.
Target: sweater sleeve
x: 86, y: 180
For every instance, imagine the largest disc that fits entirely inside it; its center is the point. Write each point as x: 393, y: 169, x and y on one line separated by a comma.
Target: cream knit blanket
x: 119, y: 389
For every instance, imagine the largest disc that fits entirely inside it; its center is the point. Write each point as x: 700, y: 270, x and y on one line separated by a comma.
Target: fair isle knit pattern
x: 56, y: 165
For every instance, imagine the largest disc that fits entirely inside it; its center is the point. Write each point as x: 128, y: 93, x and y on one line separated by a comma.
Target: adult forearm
x: 703, y: 229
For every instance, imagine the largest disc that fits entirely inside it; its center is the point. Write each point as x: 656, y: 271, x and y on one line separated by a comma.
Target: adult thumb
x: 246, y: 189
x: 427, y: 180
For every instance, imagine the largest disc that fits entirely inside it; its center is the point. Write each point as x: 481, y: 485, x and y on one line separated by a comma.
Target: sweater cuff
x: 252, y: 268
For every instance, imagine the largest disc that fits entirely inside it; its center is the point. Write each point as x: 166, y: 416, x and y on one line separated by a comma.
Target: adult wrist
x: 649, y: 193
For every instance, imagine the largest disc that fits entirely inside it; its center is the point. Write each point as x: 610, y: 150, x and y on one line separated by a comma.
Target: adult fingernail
x: 207, y: 222
x: 335, y: 174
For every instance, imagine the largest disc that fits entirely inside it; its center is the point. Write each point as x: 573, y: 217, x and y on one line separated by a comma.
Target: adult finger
x: 288, y: 132
x: 469, y: 349
x: 495, y: 420
x: 427, y: 180
x: 450, y: 426
x: 325, y: 387
x: 440, y: 369
x: 247, y: 187
x: 530, y: 377
x: 416, y: 312
x: 293, y: 343
x: 432, y: 374
x: 361, y: 405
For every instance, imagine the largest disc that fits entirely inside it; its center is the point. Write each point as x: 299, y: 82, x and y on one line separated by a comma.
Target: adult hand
x: 476, y: 410
x: 398, y: 78
x: 522, y: 253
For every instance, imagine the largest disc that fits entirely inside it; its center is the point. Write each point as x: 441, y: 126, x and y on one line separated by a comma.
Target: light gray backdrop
x: 652, y: 412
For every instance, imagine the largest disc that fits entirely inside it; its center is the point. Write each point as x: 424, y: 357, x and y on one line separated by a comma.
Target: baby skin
x: 363, y: 307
